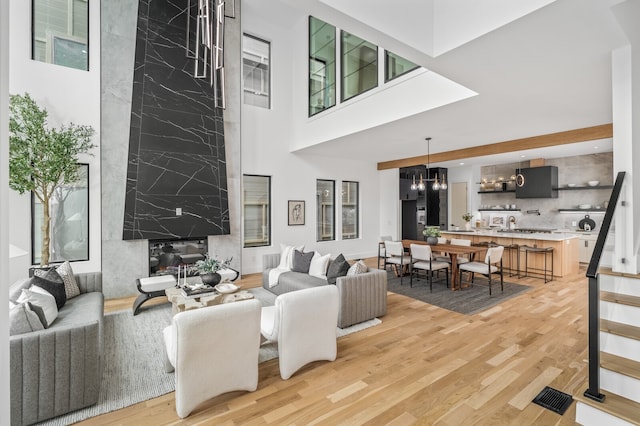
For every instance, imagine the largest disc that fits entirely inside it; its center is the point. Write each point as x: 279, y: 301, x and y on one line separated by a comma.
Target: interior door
x: 458, y: 203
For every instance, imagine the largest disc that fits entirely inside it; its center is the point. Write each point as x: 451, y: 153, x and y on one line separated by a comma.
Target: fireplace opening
x: 165, y: 256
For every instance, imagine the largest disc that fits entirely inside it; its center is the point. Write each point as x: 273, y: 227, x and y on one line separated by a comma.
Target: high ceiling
x: 548, y: 71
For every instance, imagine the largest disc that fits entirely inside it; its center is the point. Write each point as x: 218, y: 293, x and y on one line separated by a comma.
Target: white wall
x: 4, y: 212
x: 69, y: 95
x: 266, y: 142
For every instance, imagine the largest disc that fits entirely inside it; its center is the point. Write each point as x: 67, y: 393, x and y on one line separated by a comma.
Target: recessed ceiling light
x: 462, y: 164
x: 522, y: 156
x: 596, y: 147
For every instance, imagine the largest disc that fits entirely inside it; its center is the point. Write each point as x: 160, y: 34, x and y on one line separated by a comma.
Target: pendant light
x: 421, y: 185
x: 414, y: 185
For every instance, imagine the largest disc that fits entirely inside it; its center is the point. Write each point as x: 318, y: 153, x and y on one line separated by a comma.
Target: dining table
x: 452, y: 251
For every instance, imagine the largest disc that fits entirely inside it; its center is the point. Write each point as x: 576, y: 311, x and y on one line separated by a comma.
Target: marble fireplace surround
x: 125, y: 260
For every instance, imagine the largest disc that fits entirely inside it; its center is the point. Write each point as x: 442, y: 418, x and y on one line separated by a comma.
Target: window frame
x: 357, y: 209
x: 386, y: 66
x: 268, y: 210
x: 36, y: 231
x: 50, y: 39
x: 342, y: 67
x: 268, y: 79
x: 320, y: 214
x: 309, y: 70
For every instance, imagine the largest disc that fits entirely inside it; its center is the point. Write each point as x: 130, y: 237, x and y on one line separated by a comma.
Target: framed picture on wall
x: 296, y: 212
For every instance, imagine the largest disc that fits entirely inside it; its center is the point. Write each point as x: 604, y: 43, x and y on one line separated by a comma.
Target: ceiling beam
x: 602, y: 131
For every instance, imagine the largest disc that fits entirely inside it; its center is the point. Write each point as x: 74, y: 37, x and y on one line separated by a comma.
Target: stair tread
x: 620, y: 329
x: 615, y: 405
x: 621, y: 365
x: 624, y: 299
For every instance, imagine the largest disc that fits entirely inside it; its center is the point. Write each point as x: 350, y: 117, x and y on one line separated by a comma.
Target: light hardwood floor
x: 422, y: 365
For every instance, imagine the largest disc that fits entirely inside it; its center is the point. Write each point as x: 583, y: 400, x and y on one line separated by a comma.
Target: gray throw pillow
x: 22, y: 319
x: 301, y: 261
x: 338, y: 268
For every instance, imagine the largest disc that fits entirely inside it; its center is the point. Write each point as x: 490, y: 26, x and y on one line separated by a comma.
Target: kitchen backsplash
x: 576, y: 170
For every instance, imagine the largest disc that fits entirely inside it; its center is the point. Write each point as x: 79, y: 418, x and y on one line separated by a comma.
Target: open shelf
x: 498, y: 210
x: 582, y: 210
x: 578, y: 188
x: 496, y: 192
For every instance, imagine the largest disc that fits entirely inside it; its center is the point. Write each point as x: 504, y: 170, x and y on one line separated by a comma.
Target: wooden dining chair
x: 422, y: 259
x: 461, y: 242
x: 492, y: 265
x: 396, y: 256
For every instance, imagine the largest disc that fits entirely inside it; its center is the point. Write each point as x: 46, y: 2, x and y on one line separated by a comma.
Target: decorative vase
x: 467, y: 226
x: 432, y: 241
x: 210, y: 278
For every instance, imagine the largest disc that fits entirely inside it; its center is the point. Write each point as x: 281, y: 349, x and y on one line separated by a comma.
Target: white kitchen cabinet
x: 587, y: 243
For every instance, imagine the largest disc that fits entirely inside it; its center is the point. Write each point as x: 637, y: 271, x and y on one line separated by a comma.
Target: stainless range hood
x: 537, y: 182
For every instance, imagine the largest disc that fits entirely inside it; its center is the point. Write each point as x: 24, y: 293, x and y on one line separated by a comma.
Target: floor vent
x: 554, y: 400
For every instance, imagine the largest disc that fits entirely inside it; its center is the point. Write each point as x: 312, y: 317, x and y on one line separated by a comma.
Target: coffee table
x: 180, y: 303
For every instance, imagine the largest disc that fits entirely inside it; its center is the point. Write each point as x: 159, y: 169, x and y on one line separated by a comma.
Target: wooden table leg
x: 454, y: 271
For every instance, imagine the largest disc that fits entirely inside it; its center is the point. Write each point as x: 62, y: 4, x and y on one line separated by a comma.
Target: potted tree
x: 41, y: 158
x: 432, y: 233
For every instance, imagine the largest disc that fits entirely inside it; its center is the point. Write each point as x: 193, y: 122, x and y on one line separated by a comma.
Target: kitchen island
x: 566, y: 247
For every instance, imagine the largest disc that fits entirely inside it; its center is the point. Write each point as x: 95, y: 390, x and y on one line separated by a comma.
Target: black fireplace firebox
x: 165, y: 256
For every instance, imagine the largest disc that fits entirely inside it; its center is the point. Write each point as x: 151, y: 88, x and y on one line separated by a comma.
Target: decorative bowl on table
x: 226, y: 288
x: 571, y: 185
x: 584, y: 206
x: 593, y: 182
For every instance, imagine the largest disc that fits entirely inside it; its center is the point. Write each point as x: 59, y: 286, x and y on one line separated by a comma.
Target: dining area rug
x: 468, y: 301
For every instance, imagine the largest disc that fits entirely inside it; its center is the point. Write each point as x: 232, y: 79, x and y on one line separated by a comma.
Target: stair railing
x: 593, y: 392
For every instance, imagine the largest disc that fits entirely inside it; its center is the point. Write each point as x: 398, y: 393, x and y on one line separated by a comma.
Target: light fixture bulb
x: 436, y: 184
x: 414, y: 185
x: 421, y: 185
x: 444, y: 185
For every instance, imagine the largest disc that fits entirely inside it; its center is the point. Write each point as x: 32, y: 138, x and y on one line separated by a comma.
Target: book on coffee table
x: 191, y: 293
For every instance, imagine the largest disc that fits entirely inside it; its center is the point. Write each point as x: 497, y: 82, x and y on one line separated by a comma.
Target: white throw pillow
x: 318, y: 267
x: 286, y: 256
x: 42, y: 303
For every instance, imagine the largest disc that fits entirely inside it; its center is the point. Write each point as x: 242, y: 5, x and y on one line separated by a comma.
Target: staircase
x: 619, y: 354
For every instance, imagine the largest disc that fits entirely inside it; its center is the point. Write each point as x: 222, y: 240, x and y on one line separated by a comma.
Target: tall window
x: 322, y: 66
x: 256, y: 54
x: 359, y: 65
x: 69, y: 213
x: 61, y: 32
x: 395, y: 66
x: 256, y: 205
x: 325, y: 190
x: 350, y: 210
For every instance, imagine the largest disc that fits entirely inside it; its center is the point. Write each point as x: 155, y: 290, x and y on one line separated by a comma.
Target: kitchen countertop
x: 554, y: 236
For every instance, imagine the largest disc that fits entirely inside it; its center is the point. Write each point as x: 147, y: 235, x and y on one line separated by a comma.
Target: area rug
x: 133, y: 362
x: 468, y: 301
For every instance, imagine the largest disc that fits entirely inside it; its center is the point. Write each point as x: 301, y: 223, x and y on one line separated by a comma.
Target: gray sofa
x: 58, y: 370
x: 362, y: 296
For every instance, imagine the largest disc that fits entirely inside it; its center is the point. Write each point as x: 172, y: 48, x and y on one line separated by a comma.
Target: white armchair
x: 214, y: 350
x: 304, y: 324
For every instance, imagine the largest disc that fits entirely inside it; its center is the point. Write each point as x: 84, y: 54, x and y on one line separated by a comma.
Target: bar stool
x: 511, y: 249
x: 545, y: 251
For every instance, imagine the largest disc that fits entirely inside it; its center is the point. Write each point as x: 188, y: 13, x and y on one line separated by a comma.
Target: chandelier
x: 207, y: 47
x: 437, y: 184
